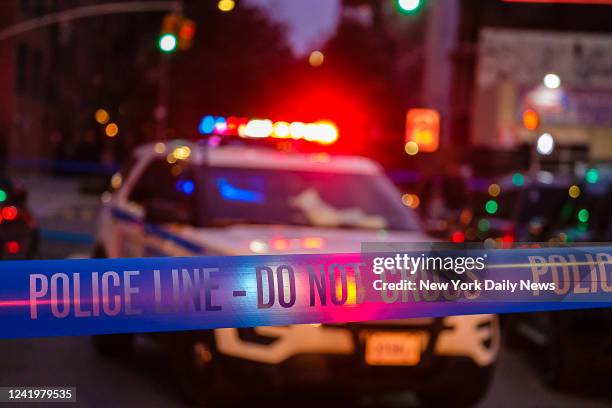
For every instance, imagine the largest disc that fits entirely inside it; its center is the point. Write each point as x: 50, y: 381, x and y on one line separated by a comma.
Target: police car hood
x: 276, y: 239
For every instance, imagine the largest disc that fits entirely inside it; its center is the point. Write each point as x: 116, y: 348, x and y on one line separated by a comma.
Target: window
x: 166, y: 191
x: 309, y: 198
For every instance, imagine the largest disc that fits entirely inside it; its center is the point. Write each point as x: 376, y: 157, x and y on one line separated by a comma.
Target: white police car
x: 182, y: 198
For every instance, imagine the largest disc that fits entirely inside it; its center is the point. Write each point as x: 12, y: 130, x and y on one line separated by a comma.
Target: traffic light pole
x: 89, y: 11
x: 161, y: 110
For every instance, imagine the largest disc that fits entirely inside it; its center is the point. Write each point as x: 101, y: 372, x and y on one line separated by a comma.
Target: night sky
x: 309, y: 22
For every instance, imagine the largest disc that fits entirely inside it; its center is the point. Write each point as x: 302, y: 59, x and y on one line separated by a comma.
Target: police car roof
x: 260, y: 157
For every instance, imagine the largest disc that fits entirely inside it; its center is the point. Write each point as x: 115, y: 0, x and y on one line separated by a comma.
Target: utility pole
x: 175, y: 6
x: 161, y: 110
x: 89, y: 11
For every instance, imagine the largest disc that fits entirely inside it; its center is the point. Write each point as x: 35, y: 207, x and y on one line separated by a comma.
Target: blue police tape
x: 96, y: 296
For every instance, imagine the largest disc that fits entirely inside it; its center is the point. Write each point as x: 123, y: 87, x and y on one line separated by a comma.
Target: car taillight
x: 9, y: 213
x: 458, y: 237
x: 12, y: 247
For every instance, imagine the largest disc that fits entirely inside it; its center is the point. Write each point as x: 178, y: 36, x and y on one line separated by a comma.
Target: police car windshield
x: 318, y: 199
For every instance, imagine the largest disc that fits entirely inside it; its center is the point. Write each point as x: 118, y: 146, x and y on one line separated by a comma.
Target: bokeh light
x: 316, y: 58
x: 409, y: 6
x: 592, y: 176
x: 531, y: 119
x: 574, y: 191
x: 411, y: 148
x: 494, y: 190
x: 111, y: 129
x: 484, y: 225
x: 491, y: 206
x: 102, y: 116
x: 411, y: 200
x: 226, y: 5
x: 552, y: 81
x: 545, y: 144
x: 167, y: 43
x: 518, y: 179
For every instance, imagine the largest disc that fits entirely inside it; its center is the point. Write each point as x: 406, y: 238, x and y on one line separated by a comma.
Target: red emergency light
x: 323, y: 131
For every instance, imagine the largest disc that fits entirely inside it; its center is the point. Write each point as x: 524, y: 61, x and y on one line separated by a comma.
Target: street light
x: 552, y: 81
x: 545, y: 144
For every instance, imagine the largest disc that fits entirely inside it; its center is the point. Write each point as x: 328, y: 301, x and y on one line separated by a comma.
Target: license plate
x: 389, y: 348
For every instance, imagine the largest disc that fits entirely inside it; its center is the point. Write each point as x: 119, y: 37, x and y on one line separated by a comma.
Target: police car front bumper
x: 436, y: 366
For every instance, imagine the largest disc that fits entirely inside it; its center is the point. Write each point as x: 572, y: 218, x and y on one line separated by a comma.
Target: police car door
x: 165, y: 195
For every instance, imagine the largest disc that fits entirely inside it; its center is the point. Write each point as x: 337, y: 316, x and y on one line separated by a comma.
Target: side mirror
x: 165, y: 212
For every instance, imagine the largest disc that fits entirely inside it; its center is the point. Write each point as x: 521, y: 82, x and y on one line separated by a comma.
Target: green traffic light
x: 409, y: 6
x: 2, y: 196
x: 491, y: 206
x: 167, y: 43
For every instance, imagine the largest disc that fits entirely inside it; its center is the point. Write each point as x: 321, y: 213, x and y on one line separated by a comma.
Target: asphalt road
x: 144, y: 378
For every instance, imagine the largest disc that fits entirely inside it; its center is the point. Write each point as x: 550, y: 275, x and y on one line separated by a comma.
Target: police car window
x: 166, y: 185
x: 267, y: 196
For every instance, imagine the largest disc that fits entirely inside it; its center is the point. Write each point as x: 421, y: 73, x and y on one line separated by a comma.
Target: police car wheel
x: 113, y: 345
x: 199, y: 378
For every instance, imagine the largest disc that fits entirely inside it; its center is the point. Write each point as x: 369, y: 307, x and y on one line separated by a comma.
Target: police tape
x: 99, y: 296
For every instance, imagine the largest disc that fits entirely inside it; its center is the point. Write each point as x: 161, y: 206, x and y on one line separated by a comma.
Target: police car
x: 185, y: 198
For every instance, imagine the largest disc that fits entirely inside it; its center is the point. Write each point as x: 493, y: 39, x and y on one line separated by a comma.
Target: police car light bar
x: 323, y: 132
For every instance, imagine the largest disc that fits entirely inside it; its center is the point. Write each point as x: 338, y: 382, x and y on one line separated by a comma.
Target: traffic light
x: 186, y: 33
x: 409, y: 6
x: 167, y: 37
x: 422, y: 129
x: 176, y: 32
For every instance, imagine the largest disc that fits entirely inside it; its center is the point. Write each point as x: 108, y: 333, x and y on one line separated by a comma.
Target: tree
x: 235, y: 60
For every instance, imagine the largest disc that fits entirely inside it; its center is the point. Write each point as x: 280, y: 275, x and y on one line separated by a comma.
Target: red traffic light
x: 423, y: 128
x: 186, y: 33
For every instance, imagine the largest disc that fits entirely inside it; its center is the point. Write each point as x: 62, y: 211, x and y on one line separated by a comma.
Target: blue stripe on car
x: 158, y: 231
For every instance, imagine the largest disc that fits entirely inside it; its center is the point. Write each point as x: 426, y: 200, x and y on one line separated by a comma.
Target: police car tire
x: 201, y: 385
x: 113, y: 345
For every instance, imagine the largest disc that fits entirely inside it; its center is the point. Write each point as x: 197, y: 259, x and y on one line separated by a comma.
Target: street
x: 145, y: 379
